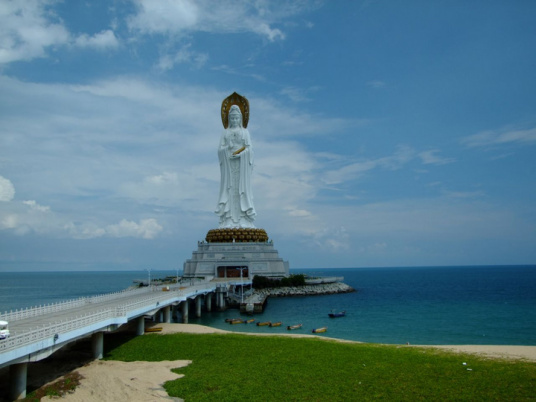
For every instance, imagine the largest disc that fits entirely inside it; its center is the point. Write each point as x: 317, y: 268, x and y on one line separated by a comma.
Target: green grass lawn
x: 230, y: 367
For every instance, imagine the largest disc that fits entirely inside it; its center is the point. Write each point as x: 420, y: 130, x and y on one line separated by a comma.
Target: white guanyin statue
x: 235, y: 153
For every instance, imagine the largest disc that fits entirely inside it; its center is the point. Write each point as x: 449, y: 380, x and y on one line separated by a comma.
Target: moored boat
x: 250, y: 320
x: 297, y: 326
x: 264, y: 323
x: 153, y: 329
x: 237, y: 321
x: 335, y: 314
x: 276, y: 324
x: 319, y: 330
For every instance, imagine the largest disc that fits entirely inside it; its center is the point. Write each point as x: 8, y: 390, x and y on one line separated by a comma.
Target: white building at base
x: 233, y: 260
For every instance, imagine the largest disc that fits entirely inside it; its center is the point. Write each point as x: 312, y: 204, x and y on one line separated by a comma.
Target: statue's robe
x: 235, y: 201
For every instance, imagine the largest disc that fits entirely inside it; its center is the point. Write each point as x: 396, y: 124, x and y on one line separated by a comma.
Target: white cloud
x: 430, y: 157
x: 146, y: 229
x: 165, y: 16
x: 180, y: 17
x: 84, y: 231
x: 416, y: 220
x: 238, y: 71
x: 299, y: 94
x: 352, y: 171
x: 264, y: 29
x: 183, y: 55
x: 297, y: 212
x: 27, y: 29
x: 332, y: 239
x: 7, y: 190
x: 35, y: 206
x: 463, y: 194
x: 28, y: 217
x: 490, y: 138
x: 102, y: 40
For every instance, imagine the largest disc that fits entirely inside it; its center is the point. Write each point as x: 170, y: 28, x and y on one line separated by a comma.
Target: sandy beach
x: 142, y: 381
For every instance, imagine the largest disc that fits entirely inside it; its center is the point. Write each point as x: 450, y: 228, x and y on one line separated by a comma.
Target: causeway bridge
x: 38, y: 332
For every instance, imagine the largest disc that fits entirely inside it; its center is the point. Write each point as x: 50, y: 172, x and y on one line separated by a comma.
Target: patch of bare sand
x: 187, y: 329
x: 492, y: 351
x: 201, y: 329
x: 121, y: 381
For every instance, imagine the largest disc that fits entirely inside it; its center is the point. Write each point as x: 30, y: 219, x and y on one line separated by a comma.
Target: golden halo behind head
x: 241, y: 102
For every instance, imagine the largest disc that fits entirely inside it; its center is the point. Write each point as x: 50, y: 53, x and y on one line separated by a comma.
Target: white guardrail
x: 68, y: 304
x: 80, y: 319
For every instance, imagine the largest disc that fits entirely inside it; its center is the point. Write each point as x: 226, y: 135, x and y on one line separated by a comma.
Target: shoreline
x: 511, y: 352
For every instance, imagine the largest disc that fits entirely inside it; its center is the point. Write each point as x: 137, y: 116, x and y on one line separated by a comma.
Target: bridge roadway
x: 38, y: 332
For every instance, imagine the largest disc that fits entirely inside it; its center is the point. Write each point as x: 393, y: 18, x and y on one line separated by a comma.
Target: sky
x: 385, y: 133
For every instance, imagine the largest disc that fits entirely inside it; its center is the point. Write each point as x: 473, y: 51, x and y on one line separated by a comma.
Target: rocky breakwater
x: 307, y: 290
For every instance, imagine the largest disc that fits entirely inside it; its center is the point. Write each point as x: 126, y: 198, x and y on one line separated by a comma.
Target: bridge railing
x: 51, y: 330
x: 68, y: 304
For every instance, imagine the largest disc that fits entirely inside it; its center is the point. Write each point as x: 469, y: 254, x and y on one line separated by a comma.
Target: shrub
x: 262, y: 282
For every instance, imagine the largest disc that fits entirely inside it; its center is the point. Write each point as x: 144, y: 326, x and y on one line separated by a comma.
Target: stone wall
x: 310, y: 290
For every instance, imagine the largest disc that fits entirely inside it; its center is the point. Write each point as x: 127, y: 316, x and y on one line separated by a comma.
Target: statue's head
x: 235, y: 117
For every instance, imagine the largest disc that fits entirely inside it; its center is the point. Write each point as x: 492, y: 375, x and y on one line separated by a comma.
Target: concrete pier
x: 184, y: 311
x: 140, y: 325
x: 167, y: 314
x: 220, y: 300
x: 208, y: 302
x: 97, y: 345
x: 17, y: 377
x: 198, y: 303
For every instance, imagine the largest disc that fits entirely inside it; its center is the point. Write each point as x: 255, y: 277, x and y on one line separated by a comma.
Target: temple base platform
x: 235, y: 253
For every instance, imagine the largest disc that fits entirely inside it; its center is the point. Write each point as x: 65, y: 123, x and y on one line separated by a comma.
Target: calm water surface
x: 433, y: 305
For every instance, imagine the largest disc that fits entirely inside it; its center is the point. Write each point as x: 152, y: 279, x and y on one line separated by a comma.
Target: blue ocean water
x: 424, y: 305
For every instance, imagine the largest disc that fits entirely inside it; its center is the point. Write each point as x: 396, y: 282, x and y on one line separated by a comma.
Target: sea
x: 476, y: 305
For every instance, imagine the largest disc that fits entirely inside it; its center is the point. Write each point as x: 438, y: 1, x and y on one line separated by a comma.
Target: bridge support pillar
x: 18, y: 374
x: 220, y: 301
x: 208, y: 302
x: 140, y: 327
x: 97, y: 344
x: 167, y: 314
x: 198, y: 300
x: 184, y: 311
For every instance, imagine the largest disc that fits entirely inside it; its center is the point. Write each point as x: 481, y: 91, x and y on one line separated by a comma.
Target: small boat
x: 237, y: 321
x: 153, y: 329
x: 335, y: 314
x: 276, y: 324
x: 319, y: 330
x: 297, y: 326
x: 231, y: 319
x: 264, y: 323
x: 250, y: 320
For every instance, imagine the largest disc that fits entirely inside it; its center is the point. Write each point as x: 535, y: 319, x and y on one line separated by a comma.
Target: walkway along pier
x: 38, y: 332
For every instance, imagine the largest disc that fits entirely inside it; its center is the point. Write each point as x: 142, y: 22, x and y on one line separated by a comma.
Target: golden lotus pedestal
x: 238, y: 235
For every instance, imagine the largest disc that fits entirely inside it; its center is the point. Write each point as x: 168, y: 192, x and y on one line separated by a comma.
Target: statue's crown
x: 235, y: 110
x: 238, y: 102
